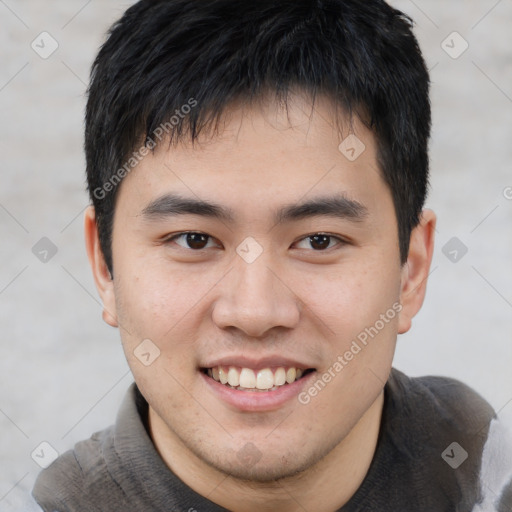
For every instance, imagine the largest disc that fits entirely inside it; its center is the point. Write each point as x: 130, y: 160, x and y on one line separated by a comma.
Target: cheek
x: 154, y: 310
x: 158, y: 299
x: 351, y: 297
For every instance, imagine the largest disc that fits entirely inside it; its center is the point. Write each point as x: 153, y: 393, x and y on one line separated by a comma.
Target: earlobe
x: 100, y: 271
x: 415, y: 271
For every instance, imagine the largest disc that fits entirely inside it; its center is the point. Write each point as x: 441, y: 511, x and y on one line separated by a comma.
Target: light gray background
x: 63, y: 371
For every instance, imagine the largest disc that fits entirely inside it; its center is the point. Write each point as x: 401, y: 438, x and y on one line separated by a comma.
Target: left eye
x: 196, y: 241
x: 318, y: 242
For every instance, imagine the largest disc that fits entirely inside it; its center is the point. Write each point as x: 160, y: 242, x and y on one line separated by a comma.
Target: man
x: 258, y: 172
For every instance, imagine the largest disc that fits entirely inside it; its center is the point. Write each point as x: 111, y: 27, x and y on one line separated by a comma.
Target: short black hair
x: 175, y: 65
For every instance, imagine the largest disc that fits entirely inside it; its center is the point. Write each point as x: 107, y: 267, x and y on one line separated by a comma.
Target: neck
x: 324, y: 487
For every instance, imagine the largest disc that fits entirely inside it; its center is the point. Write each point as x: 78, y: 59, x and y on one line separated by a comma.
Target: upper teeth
x: 247, y: 378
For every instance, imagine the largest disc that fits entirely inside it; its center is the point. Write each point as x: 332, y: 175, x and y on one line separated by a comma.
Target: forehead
x: 265, y: 154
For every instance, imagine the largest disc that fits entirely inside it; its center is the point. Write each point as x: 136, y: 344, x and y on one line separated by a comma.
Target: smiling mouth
x: 247, y: 379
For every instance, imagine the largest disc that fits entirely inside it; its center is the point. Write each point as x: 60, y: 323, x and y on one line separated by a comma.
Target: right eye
x: 192, y: 240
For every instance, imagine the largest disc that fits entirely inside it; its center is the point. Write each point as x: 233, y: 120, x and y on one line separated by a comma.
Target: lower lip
x: 257, y: 401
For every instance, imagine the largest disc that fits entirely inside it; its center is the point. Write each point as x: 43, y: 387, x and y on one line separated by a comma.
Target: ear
x: 102, y: 277
x: 415, y: 270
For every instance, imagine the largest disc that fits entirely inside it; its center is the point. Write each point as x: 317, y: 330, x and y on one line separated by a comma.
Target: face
x: 265, y: 257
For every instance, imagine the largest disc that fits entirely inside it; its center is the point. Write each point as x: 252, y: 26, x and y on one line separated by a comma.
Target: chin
x: 250, y: 465
x: 264, y: 473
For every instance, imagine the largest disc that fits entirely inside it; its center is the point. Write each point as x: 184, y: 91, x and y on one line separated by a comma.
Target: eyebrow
x: 170, y: 205
x: 337, y: 206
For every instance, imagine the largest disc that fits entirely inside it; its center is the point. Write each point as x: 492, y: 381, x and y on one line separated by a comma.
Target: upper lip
x: 256, y: 363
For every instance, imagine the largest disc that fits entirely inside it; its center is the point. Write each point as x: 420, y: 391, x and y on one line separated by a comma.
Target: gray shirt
x: 434, y: 454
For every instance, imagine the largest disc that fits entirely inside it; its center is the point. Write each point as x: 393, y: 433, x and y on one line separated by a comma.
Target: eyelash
x: 340, y: 241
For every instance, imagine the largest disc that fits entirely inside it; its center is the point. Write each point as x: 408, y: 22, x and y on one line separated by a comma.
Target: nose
x: 254, y: 299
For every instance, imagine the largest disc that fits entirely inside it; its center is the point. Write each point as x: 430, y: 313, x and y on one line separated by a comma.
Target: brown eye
x: 319, y: 242
x: 195, y: 241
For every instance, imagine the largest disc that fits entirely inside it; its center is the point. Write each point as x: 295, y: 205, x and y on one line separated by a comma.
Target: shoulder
x: 447, y: 423
x: 442, y: 399
x: 496, y: 469
x: 435, y: 417
x: 80, y: 479
x: 98, y: 473
x: 77, y: 475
